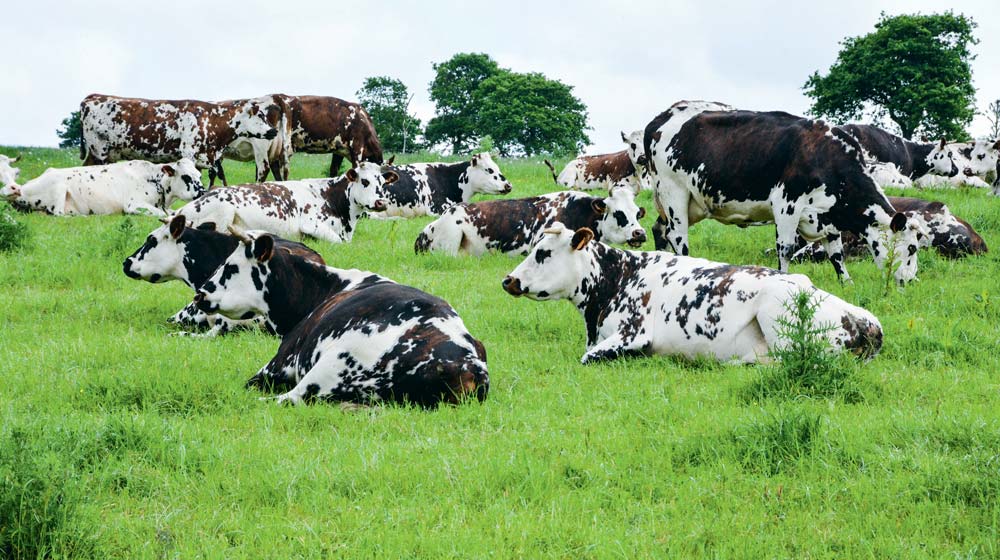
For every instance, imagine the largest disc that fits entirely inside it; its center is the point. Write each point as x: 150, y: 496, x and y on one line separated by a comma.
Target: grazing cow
x: 120, y: 128
x: 514, y: 226
x: 130, y: 187
x: 176, y: 251
x: 642, y: 303
x: 607, y: 171
x: 431, y: 188
x: 913, y: 160
x: 746, y: 167
x: 327, y: 125
x: 323, y: 208
x: 350, y: 335
x: 952, y: 236
x: 8, y: 173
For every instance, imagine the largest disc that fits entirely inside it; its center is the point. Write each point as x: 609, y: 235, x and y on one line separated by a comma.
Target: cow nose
x: 199, y: 297
x: 127, y: 269
x: 271, y: 134
x: 379, y: 205
x: 507, y: 188
x: 512, y: 286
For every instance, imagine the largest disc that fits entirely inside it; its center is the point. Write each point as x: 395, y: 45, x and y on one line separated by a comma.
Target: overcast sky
x: 627, y: 60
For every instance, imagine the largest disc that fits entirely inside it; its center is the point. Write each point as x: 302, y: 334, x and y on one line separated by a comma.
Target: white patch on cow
x: 8, y: 173
x: 887, y: 175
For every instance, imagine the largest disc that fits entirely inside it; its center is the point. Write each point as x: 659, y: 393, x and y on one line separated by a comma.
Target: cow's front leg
x: 833, y: 244
x: 673, y: 204
x: 335, y: 163
x: 138, y: 207
x: 263, y: 167
x: 615, y: 347
x: 786, y: 224
x: 323, y: 379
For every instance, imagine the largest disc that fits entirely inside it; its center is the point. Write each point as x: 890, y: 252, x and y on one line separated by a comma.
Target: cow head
x: 258, y: 118
x: 941, y: 160
x: 555, y: 267
x: 634, y: 147
x: 161, y: 257
x: 983, y: 156
x: 236, y: 290
x: 182, y: 180
x: 8, y: 173
x: 365, y: 187
x: 484, y: 176
x: 619, y: 217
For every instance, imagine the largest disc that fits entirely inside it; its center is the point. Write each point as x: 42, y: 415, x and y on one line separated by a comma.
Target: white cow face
x: 236, y: 290
x: 484, y: 176
x: 983, y: 157
x: 252, y: 122
x: 555, y: 267
x: 942, y: 160
x: 365, y: 191
x: 160, y: 258
x: 183, y: 180
x: 8, y: 173
x: 634, y: 147
x: 620, y: 223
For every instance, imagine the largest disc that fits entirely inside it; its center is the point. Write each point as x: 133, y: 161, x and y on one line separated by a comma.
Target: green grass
x: 117, y: 440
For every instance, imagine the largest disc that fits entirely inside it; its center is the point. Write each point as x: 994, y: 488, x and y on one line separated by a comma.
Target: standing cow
x: 121, y: 128
x: 746, y: 167
x: 607, y: 171
x: 327, y: 125
x: 431, y: 188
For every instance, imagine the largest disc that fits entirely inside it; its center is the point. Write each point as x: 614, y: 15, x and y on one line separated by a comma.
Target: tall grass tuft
x: 14, y: 234
x: 773, y: 444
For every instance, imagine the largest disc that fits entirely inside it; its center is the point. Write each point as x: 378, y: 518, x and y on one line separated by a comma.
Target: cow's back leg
x: 335, y: 163
x: 323, y: 379
x: 673, y: 201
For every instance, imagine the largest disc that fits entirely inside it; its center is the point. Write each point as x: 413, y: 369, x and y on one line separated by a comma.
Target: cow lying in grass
x: 8, y: 173
x: 176, y: 251
x: 130, y: 187
x: 514, y: 226
x: 327, y: 209
x: 607, y: 171
x: 636, y: 303
x: 974, y: 161
x: 350, y: 335
x: 428, y: 189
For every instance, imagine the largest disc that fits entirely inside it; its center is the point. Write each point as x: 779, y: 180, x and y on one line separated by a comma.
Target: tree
x: 386, y: 101
x: 71, y: 133
x: 993, y: 116
x: 452, y: 91
x: 913, y: 69
x: 531, y: 114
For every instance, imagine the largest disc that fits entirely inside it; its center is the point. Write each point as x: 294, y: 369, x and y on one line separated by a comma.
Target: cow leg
x: 673, y: 205
x: 335, y: 162
x: 134, y: 207
x: 279, y: 169
x: 322, y: 379
x: 786, y: 225
x: 222, y: 173
x: 834, y: 247
x: 616, y: 347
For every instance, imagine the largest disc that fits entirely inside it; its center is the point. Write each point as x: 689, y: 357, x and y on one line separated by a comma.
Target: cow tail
x: 83, y: 137
x: 552, y: 168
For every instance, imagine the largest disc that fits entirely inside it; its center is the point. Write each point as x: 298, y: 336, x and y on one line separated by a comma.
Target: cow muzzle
x: 512, y: 286
x: 506, y: 189
x: 127, y: 269
x: 271, y: 134
x: 379, y: 205
x: 638, y: 238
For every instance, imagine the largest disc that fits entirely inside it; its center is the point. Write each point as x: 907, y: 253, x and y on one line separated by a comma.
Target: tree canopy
x: 386, y: 99
x: 452, y: 91
x: 71, y: 132
x: 913, y: 69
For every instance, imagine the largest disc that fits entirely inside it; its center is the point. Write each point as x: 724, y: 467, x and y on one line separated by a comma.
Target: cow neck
x: 596, y: 293
x: 335, y: 195
x: 919, y: 154
x: 161, y: 190
x: 579, y: 212
x: 454, y: 177
x: 204, y: 252
x: 297, y: 286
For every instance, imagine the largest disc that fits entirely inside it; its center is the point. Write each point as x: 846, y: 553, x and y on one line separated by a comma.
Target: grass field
x: 118, y: 440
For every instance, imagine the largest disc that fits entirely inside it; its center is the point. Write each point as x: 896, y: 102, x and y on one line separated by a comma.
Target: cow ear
x: 599, y: 206
x: 168, y: 169
x: 943, y: 143
x: 624, y: 138
x: 207, y: 226
x: 352, y: 175
x: 392, y: 159
x: 996, y: 146
x: 390, y: 177
x: 642, y: 213
x: 177, y: 225
x: 475, y: 160
x: 263, y: 248
x: 580, y: 239
x: 898, y: 222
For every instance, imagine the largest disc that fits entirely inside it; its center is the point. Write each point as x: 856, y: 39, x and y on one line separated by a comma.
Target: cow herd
x: 356, y: 336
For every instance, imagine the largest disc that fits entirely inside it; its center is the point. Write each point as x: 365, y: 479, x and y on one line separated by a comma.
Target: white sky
x: 628, y: 60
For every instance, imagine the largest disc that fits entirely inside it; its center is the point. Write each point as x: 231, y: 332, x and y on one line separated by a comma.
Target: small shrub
x: 14, y: 234
x: 123, y: 238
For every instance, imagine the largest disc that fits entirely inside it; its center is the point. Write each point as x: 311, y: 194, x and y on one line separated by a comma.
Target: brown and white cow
x: 328, y: 125
x: 122, y: 128
x: 607, y: 171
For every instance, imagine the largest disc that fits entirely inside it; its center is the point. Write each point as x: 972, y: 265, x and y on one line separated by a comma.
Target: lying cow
x: 913, y: 160
x: 514, y: 226
x: 606, y: 171
x: 747, y: 167
x: 636, y: 303
x: 8, y: 173
x: 327, y: 209
x: 888, y: 175
x: 176, y: 251
x: 431, y: 188
x: 351, y: 335
x: 974, y: 161
x: 950, y: 235
x: 130, y: 187
x: 122, y: 128
x: 328, y: 125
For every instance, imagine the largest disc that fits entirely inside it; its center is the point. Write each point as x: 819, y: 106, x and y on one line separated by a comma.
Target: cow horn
x: 164, y: 220
x: 240, y: 234
x: 554, y: 230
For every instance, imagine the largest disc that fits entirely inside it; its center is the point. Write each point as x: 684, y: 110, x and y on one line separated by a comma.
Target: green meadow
x: 119, y: 440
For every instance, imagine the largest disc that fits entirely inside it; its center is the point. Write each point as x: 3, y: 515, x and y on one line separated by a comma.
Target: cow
x: 327, y: 209
x: 643, y: 303
x: 913, y: 160
x: 350, y: 335
x: 130, y: 187
x: 950, y: 235
x: 514, y: 226
x: 606, y: 171
x: 328, y: 125
x: 888, y: 175
x: 431, y: 188
x: 974, y: 161
x: 747, y: 167
x: 177, y: 251
x: 8, y: 173
x: 121, y: 128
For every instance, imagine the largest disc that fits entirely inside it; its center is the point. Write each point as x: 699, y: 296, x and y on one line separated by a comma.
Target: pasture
x: 119, y: 440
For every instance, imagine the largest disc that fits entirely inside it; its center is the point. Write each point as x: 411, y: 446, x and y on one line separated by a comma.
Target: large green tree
x: 531, y: 114
x: 452, y: 91
x: 913, y: 69
x: 386, y: 100
x: 71, y: 133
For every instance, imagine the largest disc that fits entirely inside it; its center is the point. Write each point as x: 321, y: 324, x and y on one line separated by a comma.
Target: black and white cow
x: 8, y: 173
x: 130, y: 187
x: 643, y: 303
x: 974, y: 161
x: 431, y: 188
x: 912, y: 159
x: 746, y: 167
x: 514, y: 226
x: 350, y: 335
x: 176, y: 251
x: 327, y: 209
x: 607, y: 171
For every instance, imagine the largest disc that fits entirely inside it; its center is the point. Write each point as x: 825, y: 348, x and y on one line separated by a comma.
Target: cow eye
x: 364, y: 182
